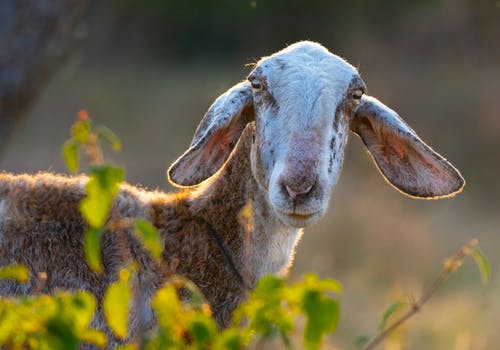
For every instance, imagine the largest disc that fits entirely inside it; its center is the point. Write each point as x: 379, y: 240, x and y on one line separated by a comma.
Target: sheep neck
x: 269, y: 247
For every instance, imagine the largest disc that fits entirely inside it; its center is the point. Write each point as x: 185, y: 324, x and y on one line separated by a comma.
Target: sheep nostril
x: 294, y: 192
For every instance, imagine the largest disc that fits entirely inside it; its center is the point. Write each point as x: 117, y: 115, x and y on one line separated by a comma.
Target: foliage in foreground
x: 63, y: 320
x: 274, y: 310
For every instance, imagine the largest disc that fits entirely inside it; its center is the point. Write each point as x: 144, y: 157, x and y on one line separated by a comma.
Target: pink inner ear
x: 216, y: 147
x: 419, y: 160
x: 407, y: 154
x: 431, y: 167
x: 399, y: 149
x: 222, y: 142
x: 408, y: 161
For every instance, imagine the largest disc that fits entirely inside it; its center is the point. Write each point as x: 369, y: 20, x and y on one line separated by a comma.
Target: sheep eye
x: 357, y: 94
x: 256, y: 85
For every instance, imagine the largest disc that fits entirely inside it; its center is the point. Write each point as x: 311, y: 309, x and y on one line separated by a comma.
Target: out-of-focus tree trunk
x: 36, y: 37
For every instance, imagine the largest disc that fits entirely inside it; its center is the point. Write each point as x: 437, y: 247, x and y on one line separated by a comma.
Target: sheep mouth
x: 299, y: 216
x: 299, y: 220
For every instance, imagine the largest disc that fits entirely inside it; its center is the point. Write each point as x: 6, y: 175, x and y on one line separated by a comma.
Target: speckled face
x: 303, y: 98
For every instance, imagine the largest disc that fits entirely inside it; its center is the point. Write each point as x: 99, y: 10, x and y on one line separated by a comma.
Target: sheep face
x: 303, y: 101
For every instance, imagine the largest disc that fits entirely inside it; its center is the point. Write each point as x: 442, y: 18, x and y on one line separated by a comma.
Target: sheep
x: 276, y: 140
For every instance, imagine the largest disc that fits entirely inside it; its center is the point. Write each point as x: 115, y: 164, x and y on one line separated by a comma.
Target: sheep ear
x: 402, y: 157
x: 215, y: 137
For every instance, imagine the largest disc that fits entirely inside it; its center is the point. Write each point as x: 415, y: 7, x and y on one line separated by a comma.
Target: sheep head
x: 303, y: 101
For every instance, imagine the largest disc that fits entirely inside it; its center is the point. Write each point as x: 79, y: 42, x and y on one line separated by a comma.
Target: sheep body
x: 276, y: 140
x: 41, y: 227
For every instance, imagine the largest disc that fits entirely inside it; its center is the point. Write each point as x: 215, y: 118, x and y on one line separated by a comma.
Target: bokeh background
x: 150, y: 69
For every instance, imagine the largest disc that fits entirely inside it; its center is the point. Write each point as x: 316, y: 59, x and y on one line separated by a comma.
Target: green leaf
x: 203, y: 329
x: 84, y: 305
x: 116, y: 307
x: 230, y: 339
x: 96, y: 205
x: 20, y: 273
x: 80, y: 130
x: 109, y: 177
x: 330, y: 285
x: 129, y: 346
x: 269, y: 286
x: 322, y: 317
x: 60, y: 334
x: 70, y: 155
x: 101, y: 189
x: 110, y: 137
x: 265, y: 309
x: 482, y: 264
x: 391, y: 310
x: 166, y: 304
x: 149, y: 237
x: 92, y: 248
x: 361, y: 341
x: 93, y: 336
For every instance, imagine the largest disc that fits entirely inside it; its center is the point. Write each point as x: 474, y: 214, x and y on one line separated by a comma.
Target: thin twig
x: 41, y: 279
x: 449, y: 267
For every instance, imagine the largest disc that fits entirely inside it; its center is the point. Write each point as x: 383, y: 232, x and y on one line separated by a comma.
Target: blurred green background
x: 150, y: 69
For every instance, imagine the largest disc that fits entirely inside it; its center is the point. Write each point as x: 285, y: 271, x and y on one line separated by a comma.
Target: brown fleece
x: 41, y: 227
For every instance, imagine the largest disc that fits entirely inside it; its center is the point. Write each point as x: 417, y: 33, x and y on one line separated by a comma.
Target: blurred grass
x: 381, y: 245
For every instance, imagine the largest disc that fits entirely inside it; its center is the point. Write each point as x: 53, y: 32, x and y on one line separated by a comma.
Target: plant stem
x: 450, y: 266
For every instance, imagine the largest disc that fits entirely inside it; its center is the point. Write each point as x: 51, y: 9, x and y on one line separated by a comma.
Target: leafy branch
x: 450, y: 266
